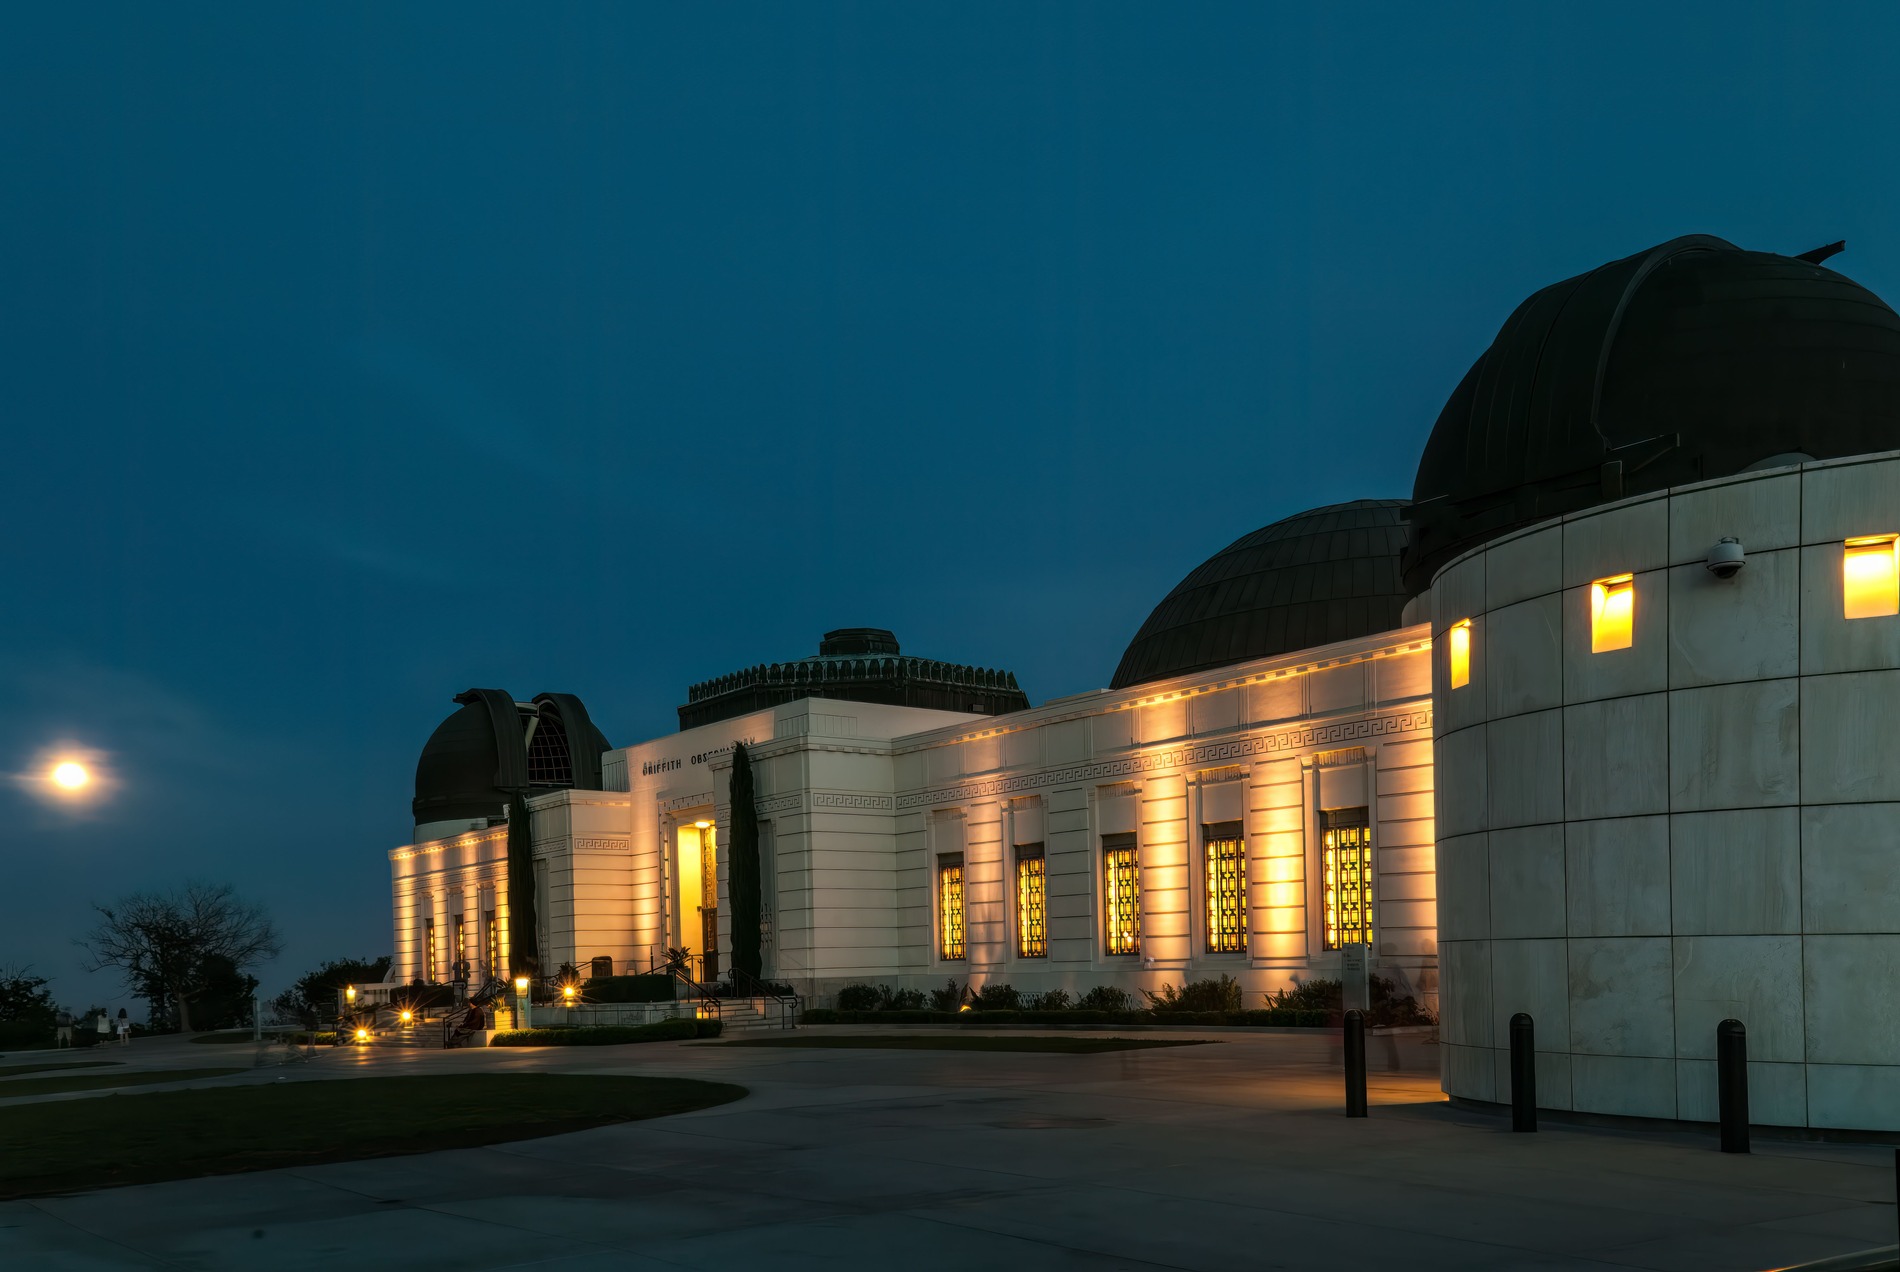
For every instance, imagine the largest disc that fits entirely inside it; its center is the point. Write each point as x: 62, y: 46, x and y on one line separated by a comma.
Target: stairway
x: 743, y: 1014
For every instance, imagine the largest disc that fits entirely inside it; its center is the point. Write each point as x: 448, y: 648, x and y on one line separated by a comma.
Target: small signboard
x: 1353, y: 961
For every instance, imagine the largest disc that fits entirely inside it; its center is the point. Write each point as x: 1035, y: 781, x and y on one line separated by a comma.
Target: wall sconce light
x: 1459, y: 640
x: 1612, y: 613
x: 1870, y: 576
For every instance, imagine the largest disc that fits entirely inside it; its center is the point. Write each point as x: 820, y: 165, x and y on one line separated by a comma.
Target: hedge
x: 647, y: 987
x: 608, y: 1035
x: 1285, y: 1018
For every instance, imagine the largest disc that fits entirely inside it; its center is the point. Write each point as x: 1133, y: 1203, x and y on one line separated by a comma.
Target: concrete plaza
x: 1229, y: 1155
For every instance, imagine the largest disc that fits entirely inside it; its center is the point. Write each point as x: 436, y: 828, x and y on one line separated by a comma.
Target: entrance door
x: 699, y: 894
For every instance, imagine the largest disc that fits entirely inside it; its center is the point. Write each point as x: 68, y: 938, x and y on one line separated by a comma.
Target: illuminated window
x: 1121, y: 893
x: 1032, y: 902
x: 1870, y: 576
x: 1226, y: 854
x: 1612, y: 613
x: 491, y: 952
x: 950, y: 908
x: 461, y: 940
x: 428, y: 947
x: 1346, y: 869
x: 1459, y: 641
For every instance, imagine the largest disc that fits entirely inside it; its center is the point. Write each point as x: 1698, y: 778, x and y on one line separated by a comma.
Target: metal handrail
x: 750, y: 986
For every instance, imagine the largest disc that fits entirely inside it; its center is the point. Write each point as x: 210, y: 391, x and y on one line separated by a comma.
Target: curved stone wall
x: 1637, y: 844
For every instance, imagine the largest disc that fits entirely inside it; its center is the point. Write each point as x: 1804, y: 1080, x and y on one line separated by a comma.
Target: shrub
x: 949, y: 998
x: 1105, y: 998
x: 608, y: 1035
x: 906, y: 1000
x: 649, y: 987
x: 994, y: 997
x: 1198, y: 996
x: 1053, y: 1000
x: 863, y: 997
x: 1388, y: 1006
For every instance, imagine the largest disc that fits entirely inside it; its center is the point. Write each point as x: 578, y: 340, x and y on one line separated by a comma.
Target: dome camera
x: 1726, y: 558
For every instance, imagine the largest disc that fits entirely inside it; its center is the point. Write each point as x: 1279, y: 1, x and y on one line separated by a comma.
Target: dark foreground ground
x: 1225, y: 1156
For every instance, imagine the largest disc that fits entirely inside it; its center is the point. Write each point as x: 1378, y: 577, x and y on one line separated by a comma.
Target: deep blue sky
x: 351, y: 359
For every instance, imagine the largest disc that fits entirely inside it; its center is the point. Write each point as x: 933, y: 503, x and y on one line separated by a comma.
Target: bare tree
x: 166, y: 943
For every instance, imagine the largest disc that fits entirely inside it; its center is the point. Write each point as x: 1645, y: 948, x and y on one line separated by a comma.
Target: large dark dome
x: 1692, y: 360
x: 1321, y: 576
x: 485, y: 754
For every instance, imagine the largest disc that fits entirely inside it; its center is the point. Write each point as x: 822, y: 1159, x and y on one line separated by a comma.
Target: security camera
x: 1726, y: 558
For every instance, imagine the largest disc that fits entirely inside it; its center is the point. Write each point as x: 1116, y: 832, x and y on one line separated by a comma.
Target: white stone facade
x: 1637, y: 844
x: 860, y: 804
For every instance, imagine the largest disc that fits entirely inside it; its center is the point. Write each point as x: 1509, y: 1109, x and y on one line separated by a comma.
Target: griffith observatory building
x: 1602, y: 725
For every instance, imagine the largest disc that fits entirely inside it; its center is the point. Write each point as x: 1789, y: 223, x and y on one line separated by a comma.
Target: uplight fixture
x: 1612, y: 613
x: 362, y: 1035
x: 407, y: 1016
x: 1458, y: 639
x: 1870, y: 576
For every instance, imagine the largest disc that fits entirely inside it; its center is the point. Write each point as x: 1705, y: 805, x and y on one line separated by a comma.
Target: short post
x: 1355, y: 1064
x: 1731, y: 1079
x: 1523, y: 1073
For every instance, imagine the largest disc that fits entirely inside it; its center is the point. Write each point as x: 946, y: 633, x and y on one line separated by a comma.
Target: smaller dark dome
x: 455, y: 777
x: 487, y: 754
x: 1320, y: 576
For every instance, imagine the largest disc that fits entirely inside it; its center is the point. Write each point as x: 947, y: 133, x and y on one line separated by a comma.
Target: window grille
x: 1346, y: 845
x: 1032, y: 903
x: 428, y: 956
x: 950, y: 910
x: 549, y: 761
x: 490, y: 953
x: 1226, y: 854
x: 1121, y: 893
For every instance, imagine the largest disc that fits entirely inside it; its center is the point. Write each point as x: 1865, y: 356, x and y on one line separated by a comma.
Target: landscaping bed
x: 1283, y: 1018
x: 967, y: 1042
x: 72, y: 1145
x: 607, y: 1035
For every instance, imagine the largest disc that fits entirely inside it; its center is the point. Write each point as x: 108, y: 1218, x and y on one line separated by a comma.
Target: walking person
x: 125, y: 1029
x: 63, y: 1031
x: 105, y: 1025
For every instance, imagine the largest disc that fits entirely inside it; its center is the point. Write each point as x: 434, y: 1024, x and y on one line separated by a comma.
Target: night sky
x: 351, y: 359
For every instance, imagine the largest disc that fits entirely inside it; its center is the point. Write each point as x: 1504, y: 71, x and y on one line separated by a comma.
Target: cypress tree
x: 524, y: 956
x: 743, y: 872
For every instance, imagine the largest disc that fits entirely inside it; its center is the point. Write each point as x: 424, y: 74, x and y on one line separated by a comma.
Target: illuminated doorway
x: 697, y: 869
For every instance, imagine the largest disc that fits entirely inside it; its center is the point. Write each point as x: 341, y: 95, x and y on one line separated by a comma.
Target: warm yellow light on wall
x: 1612, y: 613
x: 1459, y: 641
x: 1870, y: 576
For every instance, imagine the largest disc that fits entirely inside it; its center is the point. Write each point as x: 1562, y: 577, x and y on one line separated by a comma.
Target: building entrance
x: 697, y: 869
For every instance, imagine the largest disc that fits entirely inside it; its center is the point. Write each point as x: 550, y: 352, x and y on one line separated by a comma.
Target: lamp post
x: 522, y: 1006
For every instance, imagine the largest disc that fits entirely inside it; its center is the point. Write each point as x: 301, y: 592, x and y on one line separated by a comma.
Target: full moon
x: 70, y: 775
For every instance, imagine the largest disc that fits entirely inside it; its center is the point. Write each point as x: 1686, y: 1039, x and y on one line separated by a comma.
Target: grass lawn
x: 1056, y: 1044
x: 73, y: 1145
x: 7, y: 1071
x: 99, y: 1081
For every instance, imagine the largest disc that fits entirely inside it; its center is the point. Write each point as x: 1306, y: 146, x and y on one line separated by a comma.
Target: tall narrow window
x: 1226, y: 853
x: 428, y: 946
x: 1870, y: 576
x: 1612, y: 613
x: 1458, y: 640
x: 1346, y: 869
x: 1032, y: 902
x: 491, y: 953
x: 1121, y: 893
x: 461, y: 942
x: 950, y: 908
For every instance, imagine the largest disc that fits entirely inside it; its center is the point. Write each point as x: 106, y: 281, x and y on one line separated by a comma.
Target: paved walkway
x: 1222, y: 1157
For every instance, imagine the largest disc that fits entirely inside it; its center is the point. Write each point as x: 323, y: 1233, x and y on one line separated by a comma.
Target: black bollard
x: 1523, y: 1073
x: 1731, y: 1081
x: 1355, y: 1064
